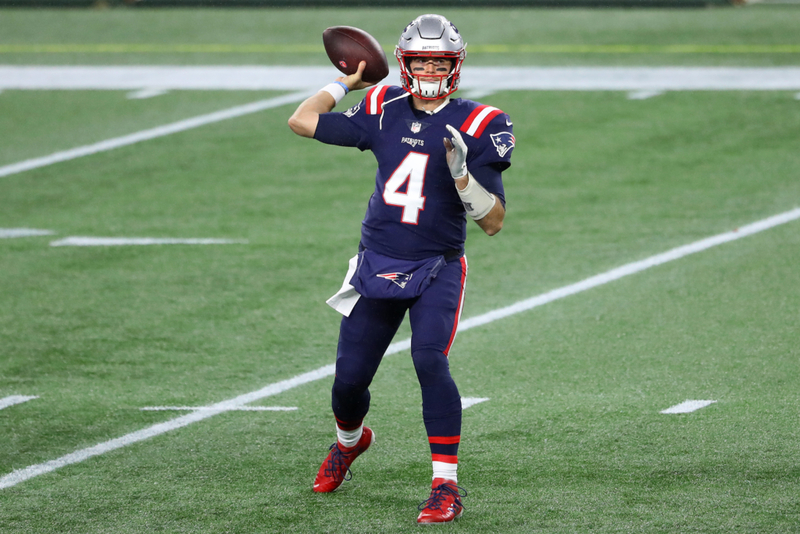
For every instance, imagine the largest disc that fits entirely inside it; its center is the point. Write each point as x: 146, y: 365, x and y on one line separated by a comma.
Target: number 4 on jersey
x: 412, y: 172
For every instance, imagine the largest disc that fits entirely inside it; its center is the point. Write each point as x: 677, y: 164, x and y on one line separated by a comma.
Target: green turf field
x: 571, y: 438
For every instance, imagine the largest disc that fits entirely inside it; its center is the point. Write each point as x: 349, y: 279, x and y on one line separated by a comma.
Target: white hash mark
x: 688, y: 406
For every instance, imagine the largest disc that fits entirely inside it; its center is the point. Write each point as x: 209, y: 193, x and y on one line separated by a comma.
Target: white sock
x: 349, y: 438
x: 445, y: 470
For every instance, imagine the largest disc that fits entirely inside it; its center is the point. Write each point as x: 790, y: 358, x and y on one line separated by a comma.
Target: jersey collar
x: 439, y: 108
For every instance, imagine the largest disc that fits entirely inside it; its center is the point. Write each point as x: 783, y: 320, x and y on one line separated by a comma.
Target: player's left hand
x: 456, y: 153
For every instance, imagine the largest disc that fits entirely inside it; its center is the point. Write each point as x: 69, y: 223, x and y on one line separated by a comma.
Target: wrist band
x: 337, y: 90
x: 477, y: 201
x: 344, y: 86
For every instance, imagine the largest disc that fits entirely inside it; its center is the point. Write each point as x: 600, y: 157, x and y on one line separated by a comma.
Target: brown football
x: 347, y: 47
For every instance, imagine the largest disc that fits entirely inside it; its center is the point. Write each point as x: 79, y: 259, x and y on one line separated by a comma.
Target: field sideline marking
x: 310, y: 78
x: 20, y: 475
x: 307, y: 48
x: 153, y: 133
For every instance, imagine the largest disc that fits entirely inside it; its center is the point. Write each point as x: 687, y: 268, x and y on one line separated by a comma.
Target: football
x: 348, y: 46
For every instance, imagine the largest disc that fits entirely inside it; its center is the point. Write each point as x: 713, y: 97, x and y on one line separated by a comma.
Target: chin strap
x: 435, y: 89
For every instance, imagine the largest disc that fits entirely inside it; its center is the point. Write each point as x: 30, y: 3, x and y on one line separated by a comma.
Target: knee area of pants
x: 437, y: 412
x: 345, y: 389
x: 440, y: 401
x: 432, y: 371
x: 430, y: 359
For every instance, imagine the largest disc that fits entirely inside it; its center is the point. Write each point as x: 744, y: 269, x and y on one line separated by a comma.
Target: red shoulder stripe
x: 479, y: 119
x: 375, y: 98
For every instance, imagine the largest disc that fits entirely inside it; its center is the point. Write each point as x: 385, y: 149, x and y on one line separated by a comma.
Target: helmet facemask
x: 430, y: 86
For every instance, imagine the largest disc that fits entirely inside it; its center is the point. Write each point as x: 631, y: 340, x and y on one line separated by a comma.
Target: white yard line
x: 8, y: 233
x: 631, y: 268
x: 80, y: 241
x: 14, y: 399
x: 21, y: 475
x: 152, y: 133
x: 200, y: 408
x: 688, y: 406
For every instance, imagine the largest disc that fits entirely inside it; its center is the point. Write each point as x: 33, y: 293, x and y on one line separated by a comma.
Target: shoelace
x: 336, y: 463
x: 439, y: 493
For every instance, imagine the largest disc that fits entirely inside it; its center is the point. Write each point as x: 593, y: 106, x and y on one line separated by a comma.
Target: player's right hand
x: 354, y: 81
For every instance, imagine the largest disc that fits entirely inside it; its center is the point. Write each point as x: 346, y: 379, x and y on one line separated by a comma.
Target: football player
x: 440, y: 161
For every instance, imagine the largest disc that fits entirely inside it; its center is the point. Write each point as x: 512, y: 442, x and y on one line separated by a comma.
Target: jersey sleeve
x: 489, y: 135
x: 492, y: 138
x: 490, y: 177
x: 347, y: 128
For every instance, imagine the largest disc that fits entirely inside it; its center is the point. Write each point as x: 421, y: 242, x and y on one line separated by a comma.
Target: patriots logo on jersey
x: 401, y: 279
x: 504, y: 142
x: 413, y: 142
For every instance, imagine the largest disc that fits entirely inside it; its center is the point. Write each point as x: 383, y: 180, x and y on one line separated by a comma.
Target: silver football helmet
x: 430, y: 36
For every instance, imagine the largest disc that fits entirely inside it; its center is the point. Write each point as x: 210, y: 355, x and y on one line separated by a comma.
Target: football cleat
x: 336, y: 467
x: 444, y: 504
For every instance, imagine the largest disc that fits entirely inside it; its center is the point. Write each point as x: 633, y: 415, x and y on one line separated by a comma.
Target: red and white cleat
x: 444, y: 504
x: 336, y: 467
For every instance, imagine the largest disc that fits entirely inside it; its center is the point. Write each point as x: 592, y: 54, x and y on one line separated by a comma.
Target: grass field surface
x: 571, y: 438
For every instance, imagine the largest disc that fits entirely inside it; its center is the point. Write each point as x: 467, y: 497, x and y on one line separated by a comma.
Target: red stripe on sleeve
x: 382, y: 95
x: 379, y: 97
x: 485, y: 122
x: 369, y: 100
x: 468, y: 122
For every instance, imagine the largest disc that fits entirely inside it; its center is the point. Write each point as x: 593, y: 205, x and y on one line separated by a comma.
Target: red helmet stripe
x: 479, y: 119
x: 375, y: 98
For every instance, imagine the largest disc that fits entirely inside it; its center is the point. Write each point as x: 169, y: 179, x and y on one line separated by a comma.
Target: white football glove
x: 456, y: 153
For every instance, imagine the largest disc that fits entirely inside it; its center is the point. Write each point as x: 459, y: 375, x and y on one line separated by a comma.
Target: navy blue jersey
x: 415, y: 211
